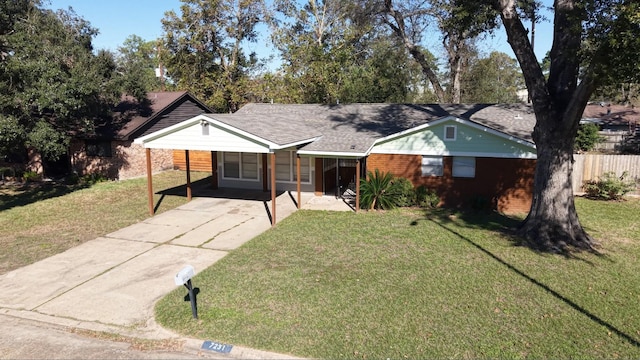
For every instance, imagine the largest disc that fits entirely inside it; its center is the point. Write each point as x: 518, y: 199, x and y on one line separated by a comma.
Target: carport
x: 219, y: 133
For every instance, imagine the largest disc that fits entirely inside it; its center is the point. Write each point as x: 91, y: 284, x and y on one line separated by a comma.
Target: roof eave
x: 333, y: 154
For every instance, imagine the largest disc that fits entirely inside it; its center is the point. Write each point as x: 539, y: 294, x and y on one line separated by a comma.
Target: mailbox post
x: 184, y: 278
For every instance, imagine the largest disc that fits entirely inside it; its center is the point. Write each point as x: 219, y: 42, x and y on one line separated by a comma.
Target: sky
x: 118, y: 19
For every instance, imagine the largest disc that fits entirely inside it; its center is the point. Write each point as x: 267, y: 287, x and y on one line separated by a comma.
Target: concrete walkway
x: 112, y: 283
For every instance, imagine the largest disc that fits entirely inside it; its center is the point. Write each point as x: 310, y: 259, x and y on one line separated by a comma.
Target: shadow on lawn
x: 507, y: 225
x: 24, y: 194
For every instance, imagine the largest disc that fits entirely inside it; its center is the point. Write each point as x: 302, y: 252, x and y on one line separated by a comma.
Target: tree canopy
x: 52, y: 84
x: 203, y: 49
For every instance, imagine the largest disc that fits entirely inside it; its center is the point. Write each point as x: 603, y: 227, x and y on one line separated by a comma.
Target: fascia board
x: 531, y: 155
x: 331, y: 154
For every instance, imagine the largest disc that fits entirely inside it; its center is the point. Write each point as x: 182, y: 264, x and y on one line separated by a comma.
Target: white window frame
x: 446, y: 132
x: 241, y: 175
x: 432, y: 165
x: 291, y: 178
x: 464, y: 167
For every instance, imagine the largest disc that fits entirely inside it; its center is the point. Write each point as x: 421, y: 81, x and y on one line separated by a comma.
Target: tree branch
x: 400, y: 30
x: 519, y: 41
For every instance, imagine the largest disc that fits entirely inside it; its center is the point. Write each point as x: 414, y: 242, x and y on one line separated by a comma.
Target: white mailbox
x: 184, y: 275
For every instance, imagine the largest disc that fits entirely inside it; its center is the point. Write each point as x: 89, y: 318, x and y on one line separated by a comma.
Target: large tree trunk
x: 552, y: 223
x: 558, y: 102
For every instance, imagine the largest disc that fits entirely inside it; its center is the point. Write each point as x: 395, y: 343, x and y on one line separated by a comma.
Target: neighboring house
x: 467, y: 153
x: 111, y: 152
x: 619, y: 126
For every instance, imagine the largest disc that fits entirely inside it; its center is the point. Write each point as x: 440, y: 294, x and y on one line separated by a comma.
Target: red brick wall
x: 127, y: 160
x: 506, y: 183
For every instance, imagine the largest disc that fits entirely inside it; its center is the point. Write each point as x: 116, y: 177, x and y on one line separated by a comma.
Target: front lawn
x: 413, y: 284
x: 41, y: 220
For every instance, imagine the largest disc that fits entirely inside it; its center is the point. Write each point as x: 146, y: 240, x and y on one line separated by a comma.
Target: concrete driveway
x: 112, y: 283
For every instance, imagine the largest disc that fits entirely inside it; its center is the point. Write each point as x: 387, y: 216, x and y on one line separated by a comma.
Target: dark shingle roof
x: 133, y: 117
x: 612, y: 114
x: 353, y: 128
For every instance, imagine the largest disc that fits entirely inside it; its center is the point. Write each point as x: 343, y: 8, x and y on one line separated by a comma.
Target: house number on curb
x: 217, y: 347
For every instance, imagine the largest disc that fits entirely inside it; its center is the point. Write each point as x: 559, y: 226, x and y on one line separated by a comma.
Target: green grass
x: 37, y: 222
x: 411, y: 284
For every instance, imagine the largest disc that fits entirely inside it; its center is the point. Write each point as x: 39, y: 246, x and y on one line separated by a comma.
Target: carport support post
x: 357, y: 185
x: 298, y: 177
x: 149, y: 181
x: 186, y: 155
x: 273, y: 189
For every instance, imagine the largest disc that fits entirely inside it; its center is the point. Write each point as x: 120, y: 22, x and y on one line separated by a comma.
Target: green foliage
x: 495, y: 79
x: 587, y: 137
x: 379, y: 191
x: 51, y: 82
x: 334, y: 52
x: 136, y: 61
x: 31, y: 176
x: 12, y: 134
x: 426, y: 197
x: 51, y: 143
x: 7, y: 173
x: 204, y: 52
x: 612, y: 41
x: 406, y: 192
x: 93, y: 178
x: 86, y: 179
x: 609, y: 186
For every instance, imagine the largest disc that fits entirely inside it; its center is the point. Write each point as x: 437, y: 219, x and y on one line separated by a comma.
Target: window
x: 464, y: 167
x: 98, y: 148
x: 450, y: 132
x: 432, y: 166
x: 286, y: 167
x: 283, y: 166
x: 249, y: 166
x: 231, y: 165
x: 240, y: 166
x: 305, y: 170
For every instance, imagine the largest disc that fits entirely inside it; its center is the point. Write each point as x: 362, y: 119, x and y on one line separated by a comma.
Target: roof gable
x: 132, y: 118
x: 219, y: 136
x: 465, y: 138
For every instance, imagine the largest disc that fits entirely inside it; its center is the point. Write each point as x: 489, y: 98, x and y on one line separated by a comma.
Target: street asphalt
x: 111, y: 284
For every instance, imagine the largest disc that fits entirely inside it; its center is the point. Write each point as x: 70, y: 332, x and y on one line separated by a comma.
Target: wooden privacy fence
x: 592, y: 166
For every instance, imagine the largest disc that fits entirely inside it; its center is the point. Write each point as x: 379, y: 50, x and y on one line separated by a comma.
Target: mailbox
x: 183, y: 277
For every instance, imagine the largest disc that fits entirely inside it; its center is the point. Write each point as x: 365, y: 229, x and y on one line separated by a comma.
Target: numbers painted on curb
x: 217, y: 347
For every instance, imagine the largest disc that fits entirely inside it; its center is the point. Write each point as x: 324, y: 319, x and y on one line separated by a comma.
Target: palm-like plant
x: 378, y: 191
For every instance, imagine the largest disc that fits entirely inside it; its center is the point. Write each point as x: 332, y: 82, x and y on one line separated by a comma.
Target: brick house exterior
x: 111, y: 151
x: 466, y: 153
x: 507, y: 191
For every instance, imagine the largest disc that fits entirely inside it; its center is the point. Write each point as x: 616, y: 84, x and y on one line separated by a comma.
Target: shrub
x: 609, y: 186
x: 7, y: 173
x: 93, y: 178
x: 426, y: 198
x: 29, y: 176
x: 407, y: 194
x: 378, y: 191
x: 587, y: 137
